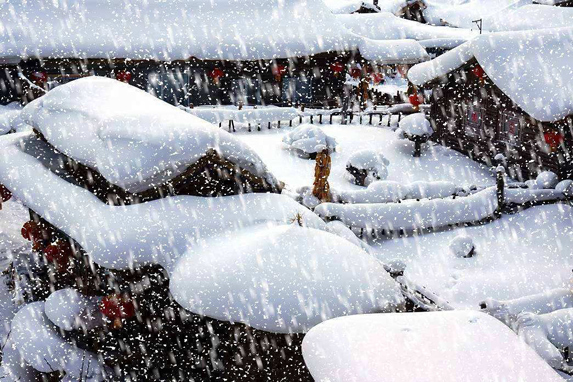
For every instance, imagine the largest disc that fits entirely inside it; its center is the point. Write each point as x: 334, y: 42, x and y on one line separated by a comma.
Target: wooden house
x: 509, y: 94
x: 216, y: 54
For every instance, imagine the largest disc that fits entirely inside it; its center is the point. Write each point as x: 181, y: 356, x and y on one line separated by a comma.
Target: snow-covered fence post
x: 500, y: 184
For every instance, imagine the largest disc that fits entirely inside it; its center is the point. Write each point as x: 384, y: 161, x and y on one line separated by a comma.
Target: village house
x: 280, y: 59
x: 509, y: 94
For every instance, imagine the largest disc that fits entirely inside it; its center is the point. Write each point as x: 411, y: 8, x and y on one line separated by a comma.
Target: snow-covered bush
x: 462, y: 246
x: 546, y: 180
x: 417, y: 129
x: 566, y: 187
x: 366, y: 166
x: 308, y: 140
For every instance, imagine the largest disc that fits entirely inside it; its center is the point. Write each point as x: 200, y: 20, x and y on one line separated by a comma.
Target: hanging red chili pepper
x: 31, y: 230
x: 216, y: 74
x: 59, y: 253
x: 355, y: 73
x: 554, y: 139
x: 478, y: 72
x: 337, y: 68
x: 39, y: 77
x: 416, y: 100
x: 377, y: 77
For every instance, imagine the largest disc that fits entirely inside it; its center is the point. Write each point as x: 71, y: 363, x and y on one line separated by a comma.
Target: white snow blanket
x: 412, y: 215
x: 9, y: 116
x: 175, y: 30
x: 387, y: 191
x: 260, y: 116
x: 416, y: 125
x: 70, y: 310
x: 130, y: 137
x: 548, y: 334
x: 517, y: 255
x: 177, y: 231
x: 282, y: 279
x: 519, y: 64
x: 447, y: 346
x: 45, y: 350
x: 308, y: 139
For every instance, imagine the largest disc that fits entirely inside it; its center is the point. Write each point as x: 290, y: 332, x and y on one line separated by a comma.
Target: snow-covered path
x: 438, y: 163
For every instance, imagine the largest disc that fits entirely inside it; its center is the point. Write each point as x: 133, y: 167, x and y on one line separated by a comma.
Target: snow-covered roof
x: 172, y: 29
x: 497, y: 15
x: 132, y: 138
x: 386, y: 26
x: 350, y: 6
x: 533, y: 68
x: 410, y: 347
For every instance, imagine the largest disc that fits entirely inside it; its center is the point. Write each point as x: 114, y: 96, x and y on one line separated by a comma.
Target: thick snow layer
x: 261, y: 115
x: 282, y: 279
x: 308, y: 139
x: 132, y: 138
x: 390, y: 52
x: 174, y: 30
x: 412, y: 215
x: 8, y: 117
x: 436, y: 164
x: 386, y: 191
x: 462, y: 246
x: 70, y: 310
x: 374, y: 162
x: 117, y: 237
x: 548, y: 334
x: 518, y: 255
x: 532, y: 67
x: 416, y: 125
x: 386, y: 26
x: 44, y: 349
x: 410, y: 347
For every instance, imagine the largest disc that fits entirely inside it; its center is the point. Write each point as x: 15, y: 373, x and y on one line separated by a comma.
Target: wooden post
x: 278, y: 124
x: 290, y: 123
x: 361, y: 118
x: 500, y: 185
x: 249, y: 127
x: 370, y: 119
x: 399, y: 117
x: 389, y: 118
x: 269, y: 125
x: 312, y: 119
x: 320, y: 119
x: 331, y: 118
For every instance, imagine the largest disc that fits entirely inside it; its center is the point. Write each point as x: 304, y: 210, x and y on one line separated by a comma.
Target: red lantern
x: 478, y: 72
x: 553, y: 138
x: 279, y: 70
x: 31, y: 230
x: 39, y: 77
x: 5, y: 194
x: 59, y: 253
x: 216, y: 73
x: 117, y: 306
x: 123, y: 76
x: 337, y: 68
x: 355, y: 73
x: 377, y: 78
x: 416, y: 100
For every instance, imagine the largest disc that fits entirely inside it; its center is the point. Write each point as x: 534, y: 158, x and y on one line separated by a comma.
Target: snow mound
x: 132, y: 138
x: 8, y: 116
x: 565, y: 187
x: 282, y: 279
x: 416, y: 125
x: 372, y: 162
x: 70, y: 310
x: 462, y: 246
x: 546, y: 180
x: 308, y: 139
x: 448, y: 346
x: 387, y: 191
x: 45, y: 350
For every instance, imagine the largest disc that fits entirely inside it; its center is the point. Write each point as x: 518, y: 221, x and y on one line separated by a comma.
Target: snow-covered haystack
x: 416, y: 128
x: 282, y: 279
x: 448, y: 346
x: 308, y: 140
x: 134, y: 140
x: 366, y: 166
x: 462, y: 246
x: 548, y: 334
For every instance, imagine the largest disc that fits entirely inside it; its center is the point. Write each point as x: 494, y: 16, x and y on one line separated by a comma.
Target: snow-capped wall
x: 130, y: 137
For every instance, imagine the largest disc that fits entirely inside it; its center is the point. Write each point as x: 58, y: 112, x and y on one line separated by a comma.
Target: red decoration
x: 478, y: 72
x: 59, y: 253
x: 216, y: 73
x: 377, y: 78
x: 553, y: 139
x: 31, y: 230
x: 416, y: 100
x: 279, y: 70
x: 123, y: 76
x: 337, y: 67
x: 39, y: 77
x: 117, y: 306
x: 355, y: 73
x: 5, y: 194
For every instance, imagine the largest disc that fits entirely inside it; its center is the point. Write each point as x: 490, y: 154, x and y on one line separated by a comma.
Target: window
x: 297, y: 90
x: 473, y: 120
x: 509, y: 128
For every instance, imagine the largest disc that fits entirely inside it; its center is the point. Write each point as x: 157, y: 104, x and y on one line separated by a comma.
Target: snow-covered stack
x: 199, y: 270
x: 308, y: 140
x: 416, y: 128
x: 366, y: 166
